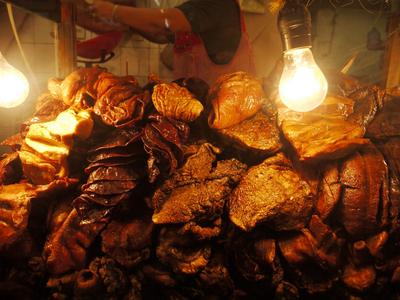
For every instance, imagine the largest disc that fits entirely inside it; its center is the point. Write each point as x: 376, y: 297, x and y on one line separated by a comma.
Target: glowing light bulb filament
x: 303, y: 86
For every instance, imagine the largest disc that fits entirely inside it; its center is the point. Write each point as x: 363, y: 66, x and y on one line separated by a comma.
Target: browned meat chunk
x: 330, y: 191
x: 114, y: 172
x: 74, y: 88
x: 14, y: 211
x: 327, y: 245
x: 111, y: 276
x: 181, y: 253
x: 67, y: 244
x: 272, y: 194
x: 323, y: 138
x: 10, y: 168
x: 258, y: 134
x: 256, y: 258
x: 391, y: 151
x: 163, y: 141
x: 359, y: 278
x: 16, y: 201
x: 128, y: 241
x: 297, y: 249
x: 234, y: 98
x: 194, y: 194
x: 386, y: 124
x: 365, y: 202
x: 120, y: 102
x: 313, y: 256
x: 215, y: 277
x: 176, y: 102
x: 376, y: 243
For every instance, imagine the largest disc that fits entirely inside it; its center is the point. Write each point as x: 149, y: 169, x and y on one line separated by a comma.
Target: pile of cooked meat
x: 183, y: 191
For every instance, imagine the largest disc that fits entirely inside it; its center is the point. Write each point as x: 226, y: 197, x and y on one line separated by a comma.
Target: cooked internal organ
x: 234, y: 97
x: 82, y: 81
x: 10, y: 168
x: 184, y: 197
x: 67, y: 244
x: 272, y: 194
x: 365, y: 202
x: 258, y: 134
x: 323, y: 138
x: 128, y: 241
x: 48, y: 145
x: 14, y: 211
x: 330, y: 191
x: 176, y: 102
x: 120, y: 103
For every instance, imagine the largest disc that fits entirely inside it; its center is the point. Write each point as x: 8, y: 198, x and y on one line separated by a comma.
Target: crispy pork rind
x: 234, y: 97
x: 323, y: 139
x: 176, y: 102
x: 120, y: 102
x: 326, y: 133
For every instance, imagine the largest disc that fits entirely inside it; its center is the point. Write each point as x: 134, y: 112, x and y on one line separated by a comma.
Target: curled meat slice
x: 120, y: 103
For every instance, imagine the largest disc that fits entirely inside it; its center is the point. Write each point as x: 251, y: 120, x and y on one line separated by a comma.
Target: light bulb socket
x: 294, y: 23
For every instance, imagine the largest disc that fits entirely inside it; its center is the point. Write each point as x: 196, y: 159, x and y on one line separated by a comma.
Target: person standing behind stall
x: 209, y: 36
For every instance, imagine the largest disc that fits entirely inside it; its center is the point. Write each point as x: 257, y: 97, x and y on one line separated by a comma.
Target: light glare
x: 14, y: 87
x: 303, y: 86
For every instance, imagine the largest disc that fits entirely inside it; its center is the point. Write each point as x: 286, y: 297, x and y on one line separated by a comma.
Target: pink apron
x: 191, y: 58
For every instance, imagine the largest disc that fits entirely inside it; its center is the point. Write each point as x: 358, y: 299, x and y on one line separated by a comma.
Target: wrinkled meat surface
x: 68, y: 242
x: 234, y: 97
x: 183, y: 198
x: 176, y: 102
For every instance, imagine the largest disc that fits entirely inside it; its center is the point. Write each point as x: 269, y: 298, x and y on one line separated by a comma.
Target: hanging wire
x: 365, y: 8
x: 21, y: 50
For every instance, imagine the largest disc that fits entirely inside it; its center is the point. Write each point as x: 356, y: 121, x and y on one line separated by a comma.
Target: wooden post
x: 66, y: 40
x: 392, y: 55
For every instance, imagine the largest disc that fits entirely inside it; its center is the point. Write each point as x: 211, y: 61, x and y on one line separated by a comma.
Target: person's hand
x: 102, y: 9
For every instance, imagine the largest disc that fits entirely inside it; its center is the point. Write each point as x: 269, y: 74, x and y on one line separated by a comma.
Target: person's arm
x: 154, y: 24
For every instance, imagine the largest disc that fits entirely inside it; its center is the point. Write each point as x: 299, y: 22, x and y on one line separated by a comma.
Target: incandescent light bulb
x: 14, y: 87
x: 303, y: 86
